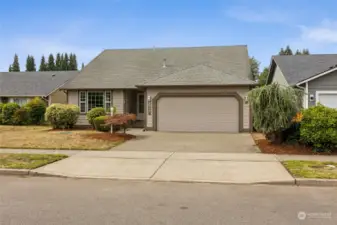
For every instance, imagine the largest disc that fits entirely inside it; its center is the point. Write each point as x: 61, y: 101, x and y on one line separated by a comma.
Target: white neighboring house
x: 21, y: 87
x: 315, y: 74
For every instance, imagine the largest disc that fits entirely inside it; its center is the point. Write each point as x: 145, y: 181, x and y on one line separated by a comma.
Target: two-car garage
x: 198, y: 110
x: 198, y: 114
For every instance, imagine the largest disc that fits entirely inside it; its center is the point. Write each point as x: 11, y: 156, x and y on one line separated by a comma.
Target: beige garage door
x: 198, y: 114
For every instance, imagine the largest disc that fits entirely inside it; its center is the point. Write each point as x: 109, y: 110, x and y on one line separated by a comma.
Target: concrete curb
x: 316, y: 182
x: 25, y: 172
x: 15, y: 172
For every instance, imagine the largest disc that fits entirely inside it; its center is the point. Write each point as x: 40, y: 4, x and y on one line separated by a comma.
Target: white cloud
x: 262, y: 16
x: 324, y: 33
x: 319, y: 39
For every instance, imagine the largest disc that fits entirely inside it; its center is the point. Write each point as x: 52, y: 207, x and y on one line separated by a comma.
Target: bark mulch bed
x: 288, y: 149
x: 110, y: 137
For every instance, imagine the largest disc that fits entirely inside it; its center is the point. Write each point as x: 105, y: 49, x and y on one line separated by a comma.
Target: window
x: 107, y: 101
x: 93, y: 99
x: 20, y: 101
x: 83, y: 101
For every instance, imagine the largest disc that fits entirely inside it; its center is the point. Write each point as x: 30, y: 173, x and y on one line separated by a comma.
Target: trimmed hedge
x: 99, y: 124
x: 21, y: 116
x: 94, y: 113
x: 8, y: 111
x: 1, y: 106
x: 319, y: 128
x: 62, y: 116
x: 37, y: 108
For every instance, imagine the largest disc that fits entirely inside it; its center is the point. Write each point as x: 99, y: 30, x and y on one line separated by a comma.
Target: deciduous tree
x: 254, y: 66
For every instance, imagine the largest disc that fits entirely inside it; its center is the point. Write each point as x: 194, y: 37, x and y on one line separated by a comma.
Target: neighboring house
x: 20, y: 87
x: 195, y: 89
x: 315, y: 74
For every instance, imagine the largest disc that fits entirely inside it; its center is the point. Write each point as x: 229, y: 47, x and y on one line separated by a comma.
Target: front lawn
x: 27, y: 161
x: 42, y: 137
x: 311, y: 169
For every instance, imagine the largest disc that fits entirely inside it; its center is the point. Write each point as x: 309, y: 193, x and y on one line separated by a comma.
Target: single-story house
x: 20, y: 87
x: 191, y: 89
x: 315, y: 74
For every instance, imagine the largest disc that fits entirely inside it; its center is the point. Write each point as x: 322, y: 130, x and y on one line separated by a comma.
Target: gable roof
x: 33, y: 83
x: 126, y: 68
x: 296, y: 68
x: 198, y: 75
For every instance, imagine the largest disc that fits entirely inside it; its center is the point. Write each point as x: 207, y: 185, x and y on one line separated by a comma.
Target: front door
x: 140, y: 106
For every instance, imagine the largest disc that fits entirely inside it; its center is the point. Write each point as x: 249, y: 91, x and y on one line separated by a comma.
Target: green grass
x: 311, y: 169
x: 27, y: 161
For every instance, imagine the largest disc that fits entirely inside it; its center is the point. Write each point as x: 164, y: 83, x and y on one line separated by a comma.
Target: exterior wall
x: 118, y: 97
x: 117, y: 101
x: 279, y: 77
x: 58, y: 97
x: 325, y: 83
x: 73, y: 99
x: 242, y: 91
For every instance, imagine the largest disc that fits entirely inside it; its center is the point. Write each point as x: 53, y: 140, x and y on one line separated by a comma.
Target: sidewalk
x: 238, y: 168
x: 234, y: 168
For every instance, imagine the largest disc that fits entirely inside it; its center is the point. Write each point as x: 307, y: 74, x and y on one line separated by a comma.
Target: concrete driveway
x: 189, y: 142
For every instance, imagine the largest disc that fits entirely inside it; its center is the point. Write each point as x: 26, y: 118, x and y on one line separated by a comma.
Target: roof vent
x: 164, y: 63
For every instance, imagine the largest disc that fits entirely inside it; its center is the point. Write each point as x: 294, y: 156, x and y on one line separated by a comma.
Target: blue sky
x: 86, y: 27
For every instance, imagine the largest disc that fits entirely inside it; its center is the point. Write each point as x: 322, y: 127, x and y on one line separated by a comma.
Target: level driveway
x: 188, y: 142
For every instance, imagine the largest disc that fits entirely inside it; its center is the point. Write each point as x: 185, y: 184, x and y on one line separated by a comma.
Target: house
x: 315, y: 74
x: 20, y: 87
x: 192, y: 89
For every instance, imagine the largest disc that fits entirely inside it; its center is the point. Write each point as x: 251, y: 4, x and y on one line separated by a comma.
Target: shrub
x: 62, y: 116
x: 273, y: 108
x: 94, y: 113
x: 319, y: 128
x: 37, y: 109
x: 120, y: 120
x: 1, y: 106
x: 21, y: 116
x: 8, y: 111
x: 99, y: 124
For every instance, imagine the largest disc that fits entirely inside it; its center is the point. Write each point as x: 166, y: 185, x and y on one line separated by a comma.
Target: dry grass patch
x: 28, y: 161
x: 42, y: 137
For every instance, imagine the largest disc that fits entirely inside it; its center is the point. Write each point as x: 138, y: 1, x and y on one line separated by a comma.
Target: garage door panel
x: 198, y: 114
x: 329, y: 100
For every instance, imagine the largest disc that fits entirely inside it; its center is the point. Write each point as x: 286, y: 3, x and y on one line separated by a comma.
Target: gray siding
x: 118, y: 100
x: 242, y: 91
x: 279, y: 77
x: 325, y: 83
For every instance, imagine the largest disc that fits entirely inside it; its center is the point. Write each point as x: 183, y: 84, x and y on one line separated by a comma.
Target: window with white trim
x: 93, y: 99
x: 20, y: 101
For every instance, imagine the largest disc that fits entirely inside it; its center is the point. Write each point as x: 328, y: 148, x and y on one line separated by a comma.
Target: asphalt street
x: 44, y: 201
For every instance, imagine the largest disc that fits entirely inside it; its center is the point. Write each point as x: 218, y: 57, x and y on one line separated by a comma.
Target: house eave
x: 317, y: 76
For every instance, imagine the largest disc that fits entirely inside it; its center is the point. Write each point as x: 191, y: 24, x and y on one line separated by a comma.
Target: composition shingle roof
x: 198, y: 75
x: 128, y: 68
x: 32, y: 83
x: 297, y: 68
